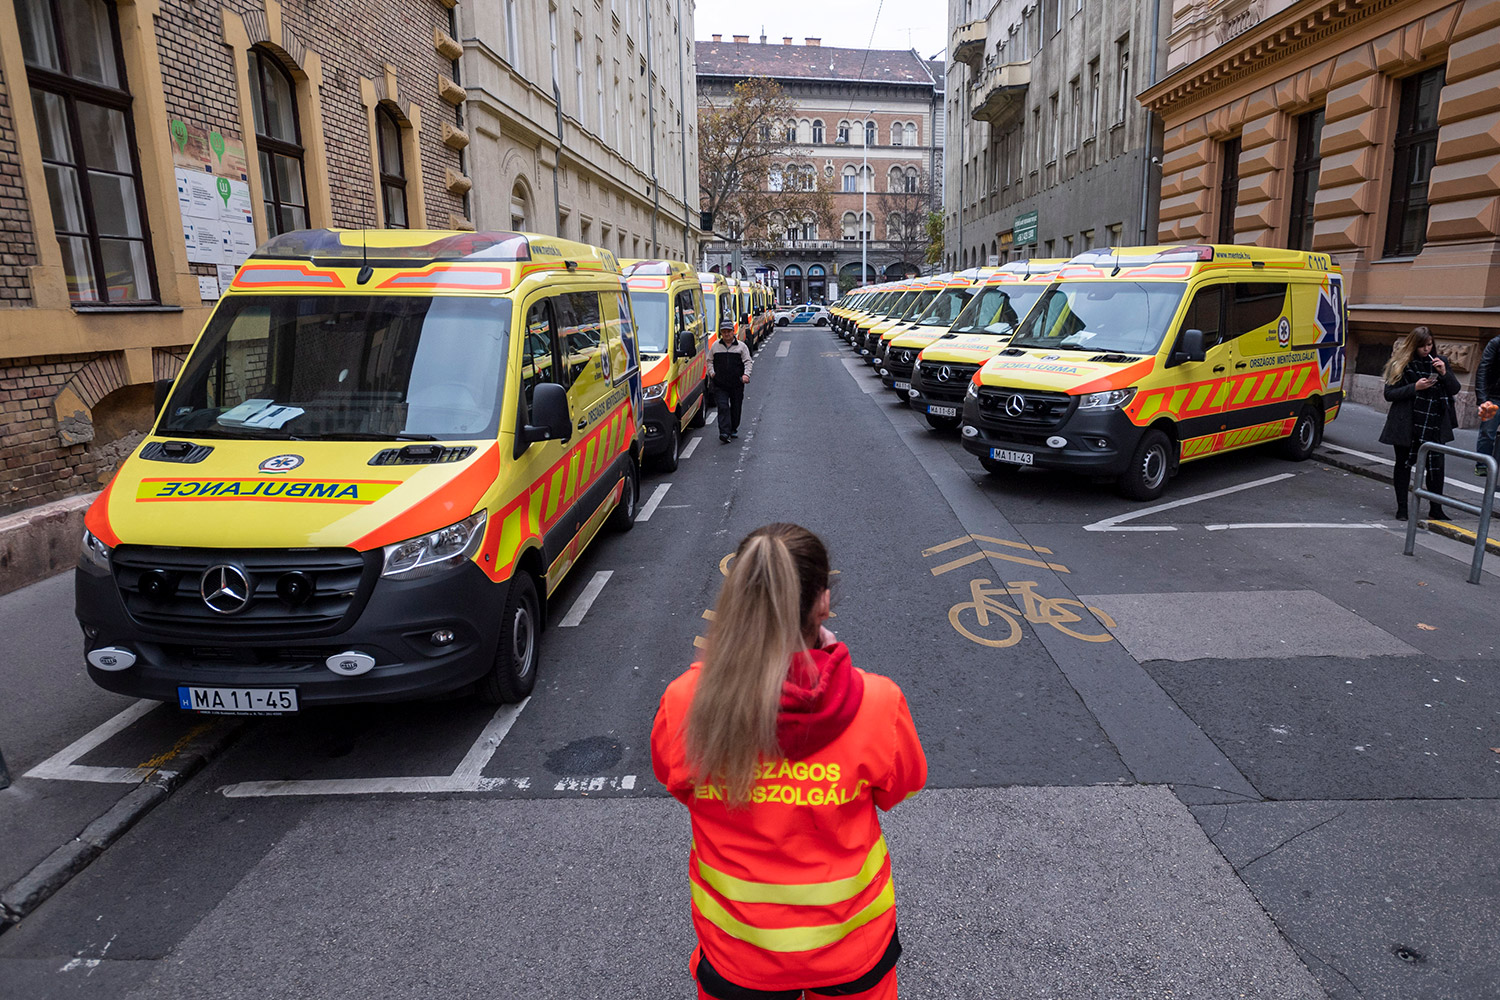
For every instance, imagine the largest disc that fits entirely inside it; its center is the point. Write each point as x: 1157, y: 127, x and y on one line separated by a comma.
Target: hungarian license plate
x: 1013, y: 457
x: 943, y: 411
x: 237, y: 701
x: 903, y: 386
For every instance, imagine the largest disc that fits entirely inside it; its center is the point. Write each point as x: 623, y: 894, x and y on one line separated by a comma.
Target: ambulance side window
x: 699, y: 313
x: 538, y: 361
x: 626, y: 330
x: 687, y: 316
x: 1254, y: 305
x: 579, y: 333
x: 1205, y: 313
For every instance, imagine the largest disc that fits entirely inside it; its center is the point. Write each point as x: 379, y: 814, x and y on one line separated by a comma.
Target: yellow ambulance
x: 898, y: 349
x: 929, y: 290
x: 1138, y: 359
x: 903, y: 295
x: 672, y: 333
x: 382, y: 456
x: 861, y: 302
x: 938, y: 367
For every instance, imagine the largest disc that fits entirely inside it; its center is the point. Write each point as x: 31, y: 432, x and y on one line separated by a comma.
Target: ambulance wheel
x: 1150, y: 468
x: 513, y: 674
x: 700, y: 416
x: 667, y: 460
x: 944, y: 423
x: 623, y: 517
x: 1306, y: 435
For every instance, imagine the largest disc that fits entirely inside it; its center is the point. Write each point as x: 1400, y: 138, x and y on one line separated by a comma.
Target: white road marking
x: 1294, y: 524
x: 60, y: 766
x: 692, y: 446
x: 860, y: 371
x: 649, y: 507
x: 591, y: 590
x: 465, y: 778
x: 1386, y: 461
x: 599, y: 784
x: 1114, y: 523
x: 783, y: 348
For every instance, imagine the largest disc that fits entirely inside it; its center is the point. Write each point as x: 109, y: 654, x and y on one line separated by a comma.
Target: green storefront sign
x: 1024, y: 230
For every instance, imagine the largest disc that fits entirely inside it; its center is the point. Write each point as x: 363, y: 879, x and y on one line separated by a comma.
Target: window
x: 1094, y: 84
x: 895, y: 227
x: 512, y: 36
x: 273, y: 98
x: 1253, y: 306
x: 867, y: 178
x: 1036, y: 139
x: 896, y: 181
x: 1229, y: 187
x: 599, y: 86
x: 87, y: 137
x: 912, y: 180
x: 578, y: 75
x: 911, y: 133
x: 1075, y: 113
x: 1206, y: 313
x: 870, y: 136
x: 538, y: 361
x: 1056, y: 15
x: 791, y: 130
x: 520, y: 207
x: 851, y: 226
x: 843, y: 134
x: 895, y: 133
x: 850, y: 179
x: 1116, y: 234
x: 1415, y: 144
x: 1087, y: 240
x: 810, y: 227
x: 1305, y: 169
x: 1053, y: 139
x: 392, y: 172
x: 1122, y: 99
x: 774, y: 178
x: 817, y: 131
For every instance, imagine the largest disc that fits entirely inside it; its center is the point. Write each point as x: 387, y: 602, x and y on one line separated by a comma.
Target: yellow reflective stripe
x: 790, y: 938
x: 803, y: 894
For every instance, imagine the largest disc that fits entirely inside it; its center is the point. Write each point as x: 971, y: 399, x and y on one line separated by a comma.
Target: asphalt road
x: 1267, y: 766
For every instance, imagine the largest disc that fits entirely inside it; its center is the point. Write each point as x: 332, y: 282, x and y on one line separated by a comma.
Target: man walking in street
x: 1487, y: 390
x: 729, y: 365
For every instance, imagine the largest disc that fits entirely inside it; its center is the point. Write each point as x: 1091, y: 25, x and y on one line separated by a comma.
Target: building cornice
x: 1275, y: 40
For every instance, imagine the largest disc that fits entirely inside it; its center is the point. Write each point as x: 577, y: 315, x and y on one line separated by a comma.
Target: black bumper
x: 394, y: 626
x: 658, y: 422
x: 1098, y: 442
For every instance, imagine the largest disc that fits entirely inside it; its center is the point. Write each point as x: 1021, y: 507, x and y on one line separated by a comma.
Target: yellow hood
x: 1061, y: 371
x: 965, y: 347
x: 918, y: 336
x: 328, y: 495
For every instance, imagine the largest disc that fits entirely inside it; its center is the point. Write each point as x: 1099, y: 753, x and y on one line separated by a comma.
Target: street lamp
x: 864, y: 205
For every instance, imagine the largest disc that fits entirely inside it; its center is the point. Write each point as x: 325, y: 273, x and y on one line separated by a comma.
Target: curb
x: 26, y: 893
x: 1453, y: 531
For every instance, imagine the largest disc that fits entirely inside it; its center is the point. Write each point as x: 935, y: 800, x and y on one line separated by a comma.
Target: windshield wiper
x: 369, y: 436
x: 233, y: 434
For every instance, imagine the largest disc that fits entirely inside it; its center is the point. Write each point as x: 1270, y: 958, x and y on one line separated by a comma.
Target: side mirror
x: 160, y: 390
x: 1190, y: 348
x: 687, y: 345
x: 550, y: 418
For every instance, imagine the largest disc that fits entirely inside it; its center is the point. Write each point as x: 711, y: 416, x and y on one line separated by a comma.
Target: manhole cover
x: 591, y: 755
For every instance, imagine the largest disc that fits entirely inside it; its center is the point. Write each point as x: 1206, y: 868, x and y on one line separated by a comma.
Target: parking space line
x: 1298, y: 524
x: 649, y: 507
x: 580, y: 607
x: 783, y: 348
x: 1114, y: 523
x: 60, y: 766
x: 692, y: 446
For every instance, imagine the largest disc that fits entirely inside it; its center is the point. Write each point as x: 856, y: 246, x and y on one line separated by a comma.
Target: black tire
x: 667, y: 460
x: 822, y: 322
x: 944, y: 423
x: 1306, y: 435
x: 781, y: 322
x: 995, y: 467
x: 513, y: 674
x: 622, y: 519
x: 1150, y: 467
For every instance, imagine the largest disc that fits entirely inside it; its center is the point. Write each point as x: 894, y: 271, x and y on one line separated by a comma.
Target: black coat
x: 1398, y: 428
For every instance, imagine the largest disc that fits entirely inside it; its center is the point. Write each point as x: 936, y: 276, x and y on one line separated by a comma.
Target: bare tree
x: 901, y: 218
x: 750, y: 176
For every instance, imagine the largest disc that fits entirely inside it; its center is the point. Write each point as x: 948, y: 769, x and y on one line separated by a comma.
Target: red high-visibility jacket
x: 794, y: 891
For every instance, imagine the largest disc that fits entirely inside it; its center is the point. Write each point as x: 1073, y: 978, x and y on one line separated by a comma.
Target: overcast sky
x: 902, y: 24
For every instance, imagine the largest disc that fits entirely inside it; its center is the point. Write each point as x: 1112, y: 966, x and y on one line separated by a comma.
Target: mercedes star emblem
x: 225, y: 589
x: 945, y: 373
x: 1015, y: 405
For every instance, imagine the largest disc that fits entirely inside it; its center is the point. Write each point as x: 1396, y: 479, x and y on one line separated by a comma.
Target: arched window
x: 896, y: 181
x: 851, y: 178
x: 870, y: 136
x: 911, y: 133
x: 520, y: 207
x: 817, y: 131
x: 791, y: 130
x: 895, y: 133
x: 278, y: 138
x: 810, y: 227
x: 82, y: 103
x: 851, y: 226
x: 867, y: 225
x: 843, y: 136
x: 792, y: 271
x: 392, y: 172
x: 895, y: 227
x: 774, y: 178
x: 913, y: 182
x: 867, y: 178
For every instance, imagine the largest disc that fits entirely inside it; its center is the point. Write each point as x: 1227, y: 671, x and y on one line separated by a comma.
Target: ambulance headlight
x: 656, y: 391
x: 972, y: 392
x: 437, y: 551
x: 1113, y: 399
x: 94, y: 555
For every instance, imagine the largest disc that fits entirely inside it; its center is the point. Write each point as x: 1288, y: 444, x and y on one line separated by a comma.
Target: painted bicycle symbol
x: 997, y: 624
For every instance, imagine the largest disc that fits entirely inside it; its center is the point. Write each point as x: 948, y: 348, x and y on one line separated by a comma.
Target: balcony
x: 1000, y: 93
x: 968, y: 44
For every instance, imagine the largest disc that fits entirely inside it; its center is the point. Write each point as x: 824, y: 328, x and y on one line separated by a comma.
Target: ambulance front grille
x: 291, y: 591
x: 951, y: 389
x: 1008, y: 409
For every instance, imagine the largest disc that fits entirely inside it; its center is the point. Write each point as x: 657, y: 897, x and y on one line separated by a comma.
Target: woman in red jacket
x: 782, y: 750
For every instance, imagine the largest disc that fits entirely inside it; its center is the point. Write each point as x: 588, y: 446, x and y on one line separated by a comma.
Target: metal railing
x: 1483, y: 509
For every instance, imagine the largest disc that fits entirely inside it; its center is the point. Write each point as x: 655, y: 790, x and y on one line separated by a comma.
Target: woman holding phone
x: 1420, y: 389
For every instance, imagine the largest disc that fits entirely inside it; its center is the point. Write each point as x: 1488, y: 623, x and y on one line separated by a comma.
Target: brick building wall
x: 34, y: 465
x: 17, y: 250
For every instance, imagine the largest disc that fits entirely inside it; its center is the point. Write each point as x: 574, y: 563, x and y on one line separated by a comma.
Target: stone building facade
x: 868, y: 121
x: 615, y: 163
x: 117, y: 138
x: 1048, y: 153
x: 1365, y: 129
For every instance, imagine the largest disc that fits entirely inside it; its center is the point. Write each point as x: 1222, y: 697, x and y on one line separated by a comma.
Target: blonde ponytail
x: 760, y: 622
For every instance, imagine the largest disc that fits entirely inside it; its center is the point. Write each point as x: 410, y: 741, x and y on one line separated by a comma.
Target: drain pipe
x: 557, y: 162
x: 1153, y: 155
x: 651, y: 132
x: 687, y: 219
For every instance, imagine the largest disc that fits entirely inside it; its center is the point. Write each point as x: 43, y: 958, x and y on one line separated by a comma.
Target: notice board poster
x: 213, y: 191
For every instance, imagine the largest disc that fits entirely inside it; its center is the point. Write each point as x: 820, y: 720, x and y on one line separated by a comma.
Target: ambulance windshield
x: 350, y: 367
x: 1101, y: 316
x: 997, y: 309
x: 944, y: 309
x: 651, y: 327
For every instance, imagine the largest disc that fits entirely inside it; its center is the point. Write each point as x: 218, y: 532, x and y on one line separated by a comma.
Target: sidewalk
x: 1352, y: 442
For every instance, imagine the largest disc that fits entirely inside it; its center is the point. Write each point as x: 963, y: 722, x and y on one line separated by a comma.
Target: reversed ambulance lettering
x: 355, y: 491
